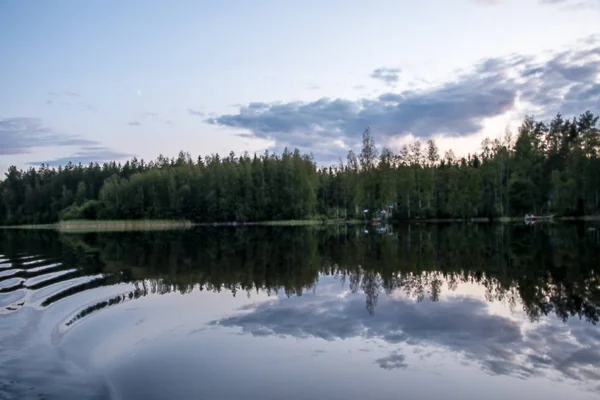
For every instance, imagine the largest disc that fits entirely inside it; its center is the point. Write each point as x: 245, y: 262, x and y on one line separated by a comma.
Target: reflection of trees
x: 235, y: 260
x: 142, y: 288
x: 549, y: 269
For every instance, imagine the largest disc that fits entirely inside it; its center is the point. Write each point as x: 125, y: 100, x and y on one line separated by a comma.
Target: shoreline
x: 105, y: 225
x: 108, y: 225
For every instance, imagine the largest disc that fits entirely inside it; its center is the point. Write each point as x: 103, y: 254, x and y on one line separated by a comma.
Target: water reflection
x: 547, y: 269
x: 513, y: 300
x: 464, y: 325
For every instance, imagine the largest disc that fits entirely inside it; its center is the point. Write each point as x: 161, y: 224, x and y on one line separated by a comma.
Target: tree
x: 368, y: 154
x: 80, y: 195
x: 546, y: 168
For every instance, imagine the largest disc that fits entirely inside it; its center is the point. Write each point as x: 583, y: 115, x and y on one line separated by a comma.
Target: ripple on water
x: 37, y: 280
x: 9, y: 273
x: 12, y: 300
x: 28, y: 284
x: 10, y: 284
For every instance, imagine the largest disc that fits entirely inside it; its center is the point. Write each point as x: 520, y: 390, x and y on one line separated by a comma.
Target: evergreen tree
x: 552, y: 168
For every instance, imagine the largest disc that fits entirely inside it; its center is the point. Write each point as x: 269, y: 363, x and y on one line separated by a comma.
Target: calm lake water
x: 412, y: 312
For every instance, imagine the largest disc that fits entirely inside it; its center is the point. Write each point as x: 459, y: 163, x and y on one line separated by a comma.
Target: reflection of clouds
x: 570, y: 349
x: 459, y: 324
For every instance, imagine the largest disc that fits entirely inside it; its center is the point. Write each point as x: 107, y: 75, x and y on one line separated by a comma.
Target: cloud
x: 81, y: 106
x: 393, y: 361
x: 64, y: 94
x: 69, y: 99
x: 462, y: 325
x: 573, y: 4
x: 566, y: 81
x: 86, y: 155
x: 195, y: 113
x: 389, y: 76
x: 457, y: 107
x: 21, y: 135
x: 149, y: 115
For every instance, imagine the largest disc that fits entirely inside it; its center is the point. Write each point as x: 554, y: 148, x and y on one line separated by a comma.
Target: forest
x: 545, y: 168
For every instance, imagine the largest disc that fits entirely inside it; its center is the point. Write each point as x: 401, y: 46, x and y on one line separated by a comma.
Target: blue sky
x: 102, y: 80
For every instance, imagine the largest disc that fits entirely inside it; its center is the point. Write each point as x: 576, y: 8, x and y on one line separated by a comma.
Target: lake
x: 453, y: 311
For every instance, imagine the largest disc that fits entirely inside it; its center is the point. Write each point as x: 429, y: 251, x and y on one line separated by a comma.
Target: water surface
x: 416, y: 312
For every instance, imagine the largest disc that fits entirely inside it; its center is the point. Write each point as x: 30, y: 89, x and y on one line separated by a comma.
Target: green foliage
x: 89, y: 210
x: 546, y: 169
x: 70, y: 213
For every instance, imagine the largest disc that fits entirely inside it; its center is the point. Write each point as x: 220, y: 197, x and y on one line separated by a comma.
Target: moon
x: 139, y: 92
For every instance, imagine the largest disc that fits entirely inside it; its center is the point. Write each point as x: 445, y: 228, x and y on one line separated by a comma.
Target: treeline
x: 547, y: 168
x: 203, y: 190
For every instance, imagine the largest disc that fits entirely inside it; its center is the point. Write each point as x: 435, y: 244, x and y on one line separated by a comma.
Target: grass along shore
x: 121, y: 225
x: 108, y: 225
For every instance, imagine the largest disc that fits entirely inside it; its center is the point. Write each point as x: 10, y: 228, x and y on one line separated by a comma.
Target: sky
x: 110, y: 80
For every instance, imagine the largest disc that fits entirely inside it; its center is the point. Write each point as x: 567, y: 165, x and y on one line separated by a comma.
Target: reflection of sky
x: 324, y: 344
x: 500, y: 342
